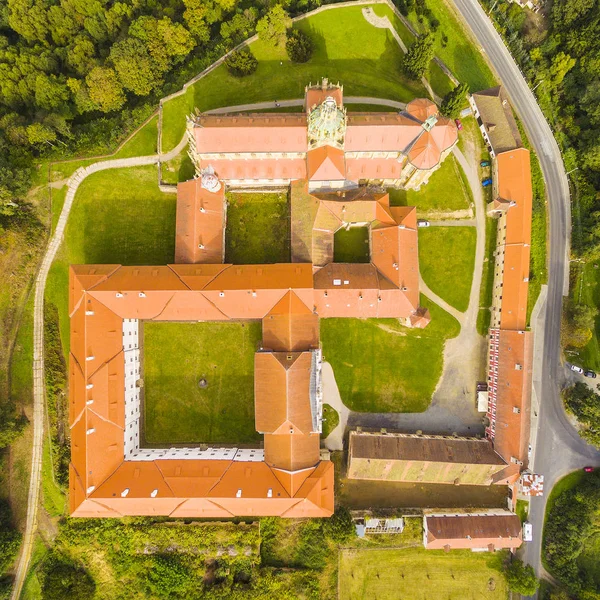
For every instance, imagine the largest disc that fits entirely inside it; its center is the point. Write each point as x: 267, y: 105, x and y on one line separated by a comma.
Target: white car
x: 423, y: 223
x: 576, y: 369
x: 527, y: 532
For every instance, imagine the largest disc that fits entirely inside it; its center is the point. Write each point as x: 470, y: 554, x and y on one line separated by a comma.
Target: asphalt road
x: 559, y: 447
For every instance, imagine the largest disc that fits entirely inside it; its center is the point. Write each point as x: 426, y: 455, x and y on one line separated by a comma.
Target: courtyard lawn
x: 258, y: 228
x: 381, y: 366
x: 445, y: 192
x: 119, y: 216
x: 348, y: 49
x: 421, y: 574
x: 331, y: 419
x: 446, y: 261
x: 351, y: 245
x: 459, y: 53
x: 176, y: 357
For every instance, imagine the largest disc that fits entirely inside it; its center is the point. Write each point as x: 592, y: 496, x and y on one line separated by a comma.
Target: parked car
x: 458, y: 124
x: 527, y: 532
x: 484, y: 163
x: 588, y: 469
x: 423, y: 223
x: 487, y: 181
x: 576, y: 369
x: 590, y: 374
x: 482, y: 386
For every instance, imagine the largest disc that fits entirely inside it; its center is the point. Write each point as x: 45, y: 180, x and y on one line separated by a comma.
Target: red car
x: 458, y: 124
x: 588, y: 469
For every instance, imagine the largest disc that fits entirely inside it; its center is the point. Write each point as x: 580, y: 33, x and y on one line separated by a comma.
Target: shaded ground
x: 421, y: 574
x: 351, y: 245
x: 176, y: 357
x: 258, y: 228
x: 381, y: 366
x: 362, y: 494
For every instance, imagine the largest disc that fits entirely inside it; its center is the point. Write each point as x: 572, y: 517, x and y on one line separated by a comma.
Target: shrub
x: 340, y: 527
x: 299, y: 46
x: 241, y: 63
x: 66, y: 579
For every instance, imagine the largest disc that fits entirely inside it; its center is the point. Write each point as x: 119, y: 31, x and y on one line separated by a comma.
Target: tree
x: 80, y: 55
x: 104, y: 89
x: 240, y: 26
x: 272, y: 28
x: 584, y: 404
x: 577, y: 324
x: 521, y: 578
x: 299, y: 46
x: 241, y: 63
x: 135, y: 68
x: 416, y: 60
x: 567, y: 11
x: 39, y: 134
x: 50, y: 93
x: 454, y: 100
x: 561, y: 64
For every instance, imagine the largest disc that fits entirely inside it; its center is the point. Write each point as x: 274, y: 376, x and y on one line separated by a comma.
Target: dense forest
x: 75, y: 75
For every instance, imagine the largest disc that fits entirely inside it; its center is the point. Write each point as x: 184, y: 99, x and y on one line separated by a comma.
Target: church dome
x: 327, y: 124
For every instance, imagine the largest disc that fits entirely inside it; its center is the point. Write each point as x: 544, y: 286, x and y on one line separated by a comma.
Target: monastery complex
x: 338, y: 168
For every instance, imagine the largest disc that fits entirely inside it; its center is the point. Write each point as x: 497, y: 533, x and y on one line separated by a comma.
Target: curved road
x: 559, y: 447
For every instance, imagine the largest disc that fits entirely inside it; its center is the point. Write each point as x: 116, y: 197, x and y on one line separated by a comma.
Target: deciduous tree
x: 272, y: 28
x: 104, y: 88
x: 521, y: 578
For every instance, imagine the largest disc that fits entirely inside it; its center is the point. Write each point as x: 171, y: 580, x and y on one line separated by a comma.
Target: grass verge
x: 331, y: 419
x: 484, y: 316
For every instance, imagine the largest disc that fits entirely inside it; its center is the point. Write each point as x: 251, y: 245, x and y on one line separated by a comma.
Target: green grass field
x: 119, y: 216
x: 351, y: 245
x: 176, y: 357
x: 258, y: 228
x: 446, y: 191
x: 364, y: 59
x: 381, y: 366
x: 459, y: 53
x: 419, y: 574
x: 143, y: 143
x: 446, y: 261
x: 331, y: 419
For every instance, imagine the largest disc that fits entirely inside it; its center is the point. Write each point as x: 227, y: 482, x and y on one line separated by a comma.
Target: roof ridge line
x: 105, y: 420
x: 104, y: 363
x: 105, y: 277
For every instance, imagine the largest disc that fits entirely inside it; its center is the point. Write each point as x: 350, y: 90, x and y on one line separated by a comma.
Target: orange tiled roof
x: 199, y: 227
x: 493, y: 531
x: 326, y: 163
x: 102, y: 483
